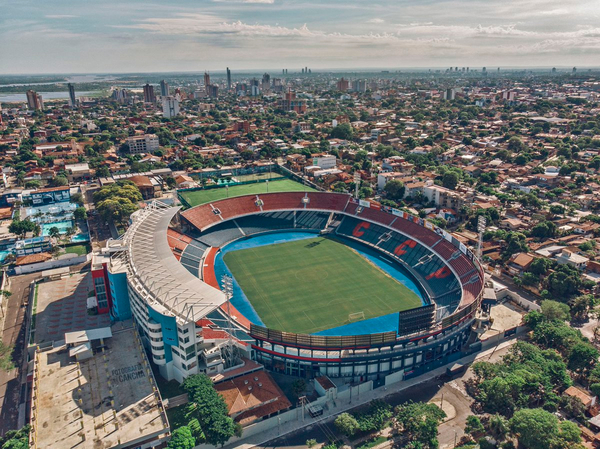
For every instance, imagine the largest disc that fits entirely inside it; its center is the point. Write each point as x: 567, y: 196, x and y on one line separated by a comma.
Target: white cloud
x: 60, y: 16
x: 376, y: 20
x: 264, y: 2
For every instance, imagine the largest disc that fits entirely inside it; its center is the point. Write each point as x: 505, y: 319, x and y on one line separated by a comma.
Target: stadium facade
x: 161, y: 272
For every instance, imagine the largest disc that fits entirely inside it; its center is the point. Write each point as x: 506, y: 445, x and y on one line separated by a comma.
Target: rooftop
x: 165, y: 284
x: 107, y: 401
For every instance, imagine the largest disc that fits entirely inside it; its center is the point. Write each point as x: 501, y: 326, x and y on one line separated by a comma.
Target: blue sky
x: 62, y: 36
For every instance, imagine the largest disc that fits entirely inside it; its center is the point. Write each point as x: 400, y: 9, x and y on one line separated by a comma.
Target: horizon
x: 185, y: 36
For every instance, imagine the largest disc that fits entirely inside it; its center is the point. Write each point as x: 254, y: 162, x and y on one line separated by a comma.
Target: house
x: 147, y: 188
x: 570, y: 258
x: 184, y: 182
x: 519, y: 263
x: 252, y: 397
x: 78, y: 172
x: 586, y: 399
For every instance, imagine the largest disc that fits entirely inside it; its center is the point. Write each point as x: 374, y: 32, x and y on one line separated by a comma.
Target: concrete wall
x: 52, y: 264
x: 524, y: 303
x: 394, y: 377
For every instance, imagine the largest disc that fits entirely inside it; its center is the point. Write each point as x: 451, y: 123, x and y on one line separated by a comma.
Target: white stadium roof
x: 165, y: 284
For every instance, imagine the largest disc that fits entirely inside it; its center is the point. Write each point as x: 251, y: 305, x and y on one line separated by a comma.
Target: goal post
x: 357, y: 316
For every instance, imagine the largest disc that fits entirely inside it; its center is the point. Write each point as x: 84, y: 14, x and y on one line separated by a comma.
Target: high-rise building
x: 164, y: 89
x: 149, y: 96
x: 359, y: 86
x: 289, y: 102
x: 206, y: 82
x: 212, y: 90
x: 343, y: 85
x: 170, y: 106
x: 72, y: 99
x: 120, y: 95
x: 34, y: 100
x: 228, y: 79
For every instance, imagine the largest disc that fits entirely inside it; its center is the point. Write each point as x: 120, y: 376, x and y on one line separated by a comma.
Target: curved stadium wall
x: 451, y: 278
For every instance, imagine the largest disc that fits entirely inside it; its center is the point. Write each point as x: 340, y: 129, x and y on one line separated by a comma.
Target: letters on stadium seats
x: 399, y: 251
x: 358, y: 230
x: 440, y: 274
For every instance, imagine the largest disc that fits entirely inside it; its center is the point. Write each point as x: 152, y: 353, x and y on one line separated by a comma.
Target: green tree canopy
x: 394, y: 189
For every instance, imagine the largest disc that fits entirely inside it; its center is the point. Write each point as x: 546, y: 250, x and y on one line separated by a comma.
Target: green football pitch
x: 309, y: 285
x: 197, y: 197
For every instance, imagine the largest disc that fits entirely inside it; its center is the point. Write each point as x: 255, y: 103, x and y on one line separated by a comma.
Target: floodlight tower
x: 228, y: 355
x: 481, y: 222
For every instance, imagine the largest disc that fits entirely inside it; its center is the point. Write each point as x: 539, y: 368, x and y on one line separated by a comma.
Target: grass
x: 197, y: 197
x: 80, y: 250
x: 177, y: 416
x: 310, y: 285
x: 33, y: 315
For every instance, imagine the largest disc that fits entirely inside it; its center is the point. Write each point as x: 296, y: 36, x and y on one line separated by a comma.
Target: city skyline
x: 67, y: 37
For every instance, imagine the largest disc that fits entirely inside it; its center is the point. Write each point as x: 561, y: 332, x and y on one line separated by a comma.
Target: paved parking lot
x: 61, y: 307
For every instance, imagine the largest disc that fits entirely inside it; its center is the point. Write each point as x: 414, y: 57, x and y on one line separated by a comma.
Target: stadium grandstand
x: 178, y: 297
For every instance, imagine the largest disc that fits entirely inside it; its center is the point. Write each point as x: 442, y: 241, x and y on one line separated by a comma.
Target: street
x: 15, y: 331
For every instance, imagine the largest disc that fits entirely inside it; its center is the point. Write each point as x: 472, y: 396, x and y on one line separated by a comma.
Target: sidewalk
x: 337, y: 407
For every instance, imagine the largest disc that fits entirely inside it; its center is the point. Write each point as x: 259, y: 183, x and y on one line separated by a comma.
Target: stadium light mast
x: 481, y: 222
x: 356, y: 183
x: 227, y: 282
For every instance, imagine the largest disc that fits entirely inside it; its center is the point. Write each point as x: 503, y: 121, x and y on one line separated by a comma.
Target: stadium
x: 305, y: 283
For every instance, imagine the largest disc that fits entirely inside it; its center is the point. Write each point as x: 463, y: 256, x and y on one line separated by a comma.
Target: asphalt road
x: 15, y: 331
x: 449, y: 431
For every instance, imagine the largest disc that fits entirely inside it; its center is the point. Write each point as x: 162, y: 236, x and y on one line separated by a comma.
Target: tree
x: 22, y: 227
x: 16, y: 439
x: 515, y: 144
x: 564, y: 282
x: 182, y: 438
x: 554, y: 310
x: 498, y: 426
x: 450, y: 180
x: 54, y: 232
x: 59, y: 181
x: 77, y: 198
x: 347, y: 424
x: 6, y: 362
x: 210, y: 410
x: 343, y: 131
x: 419, y: 421
x: 473, y: 425
x: 583, y: 357
x: 394, y: 189
x: 116, y: 209
x: 80, y: 213
x: 311, y: 443
x: 535, y: 428
x: 298, y: 387
x: 540, y: 266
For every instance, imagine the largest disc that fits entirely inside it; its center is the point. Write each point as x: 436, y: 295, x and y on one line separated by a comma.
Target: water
x: 22, y: 98
x: 4, y: 255
x: 80, y: 238
x: 61, y: 225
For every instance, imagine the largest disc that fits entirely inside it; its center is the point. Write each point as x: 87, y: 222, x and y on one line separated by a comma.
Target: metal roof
x: 172, y: 289
x: 87, y: 335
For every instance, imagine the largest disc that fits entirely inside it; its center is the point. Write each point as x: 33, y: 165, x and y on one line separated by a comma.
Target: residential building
x: 72, y: 99
x: 147, y: 143
x: 170, y: 107
x: 149, y: 96
x: 34, y: 101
